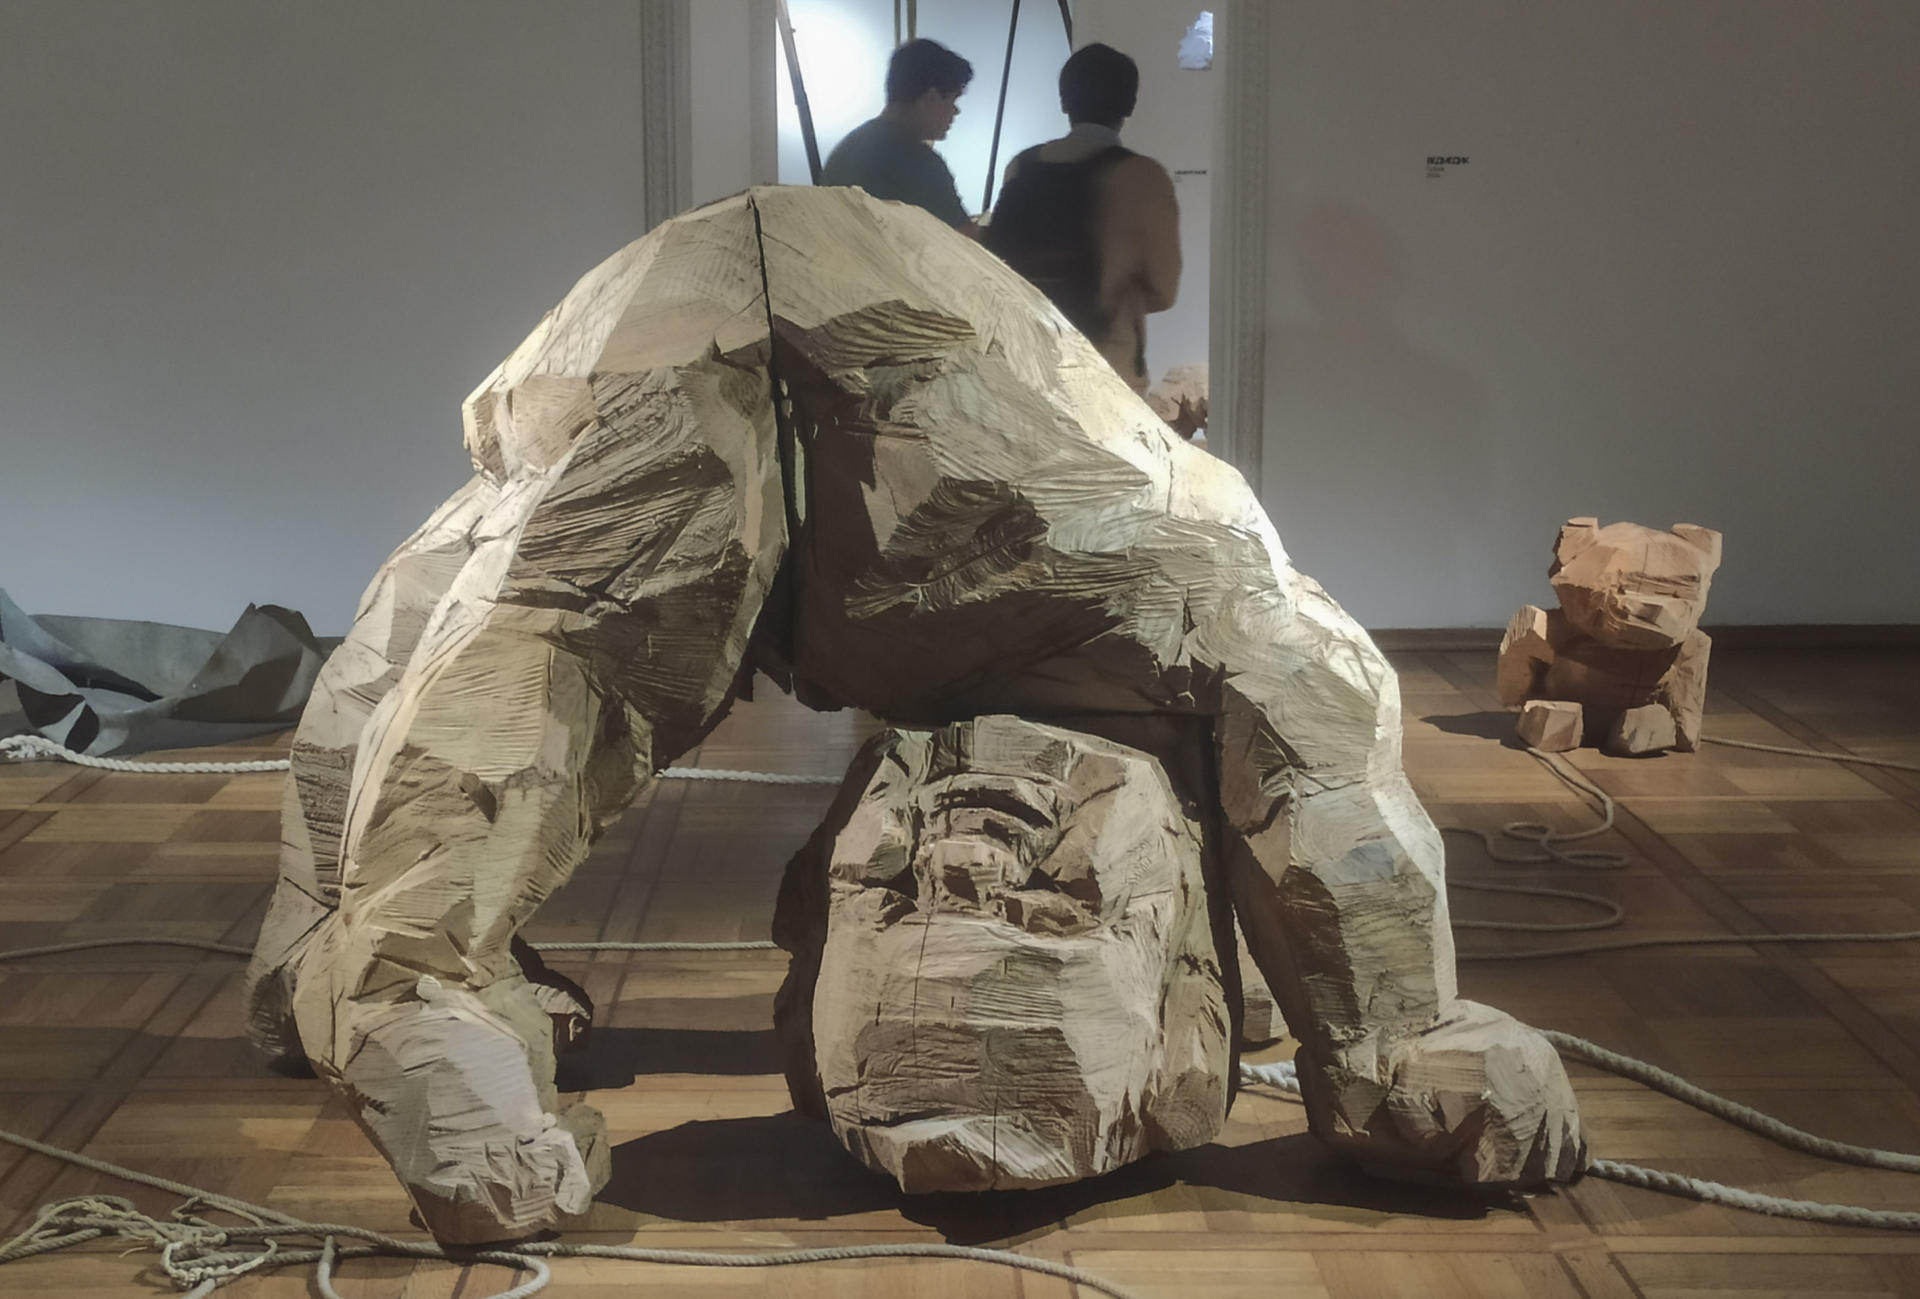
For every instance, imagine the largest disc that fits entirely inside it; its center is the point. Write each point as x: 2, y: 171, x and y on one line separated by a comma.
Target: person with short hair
x: 1093, y: 225
x: 889, y: 156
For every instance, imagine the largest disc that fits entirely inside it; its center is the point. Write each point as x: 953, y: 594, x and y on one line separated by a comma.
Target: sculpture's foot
x: 445, y: 1086
x: 1477, y: 1100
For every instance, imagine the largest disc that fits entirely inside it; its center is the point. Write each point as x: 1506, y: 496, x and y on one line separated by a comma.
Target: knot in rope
x: 30, y: 748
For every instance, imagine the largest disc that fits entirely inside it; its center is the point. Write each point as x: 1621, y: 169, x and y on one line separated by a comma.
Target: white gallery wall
x: 252, y: 258
x: 1677, y: 279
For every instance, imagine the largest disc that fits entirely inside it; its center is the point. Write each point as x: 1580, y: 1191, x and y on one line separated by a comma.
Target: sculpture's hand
x: 1479, y: 1099
x: 460, y: 1116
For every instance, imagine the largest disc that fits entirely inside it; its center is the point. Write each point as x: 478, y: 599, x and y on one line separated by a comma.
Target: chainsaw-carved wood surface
x: 831, y: 427
x: 1005, y: 971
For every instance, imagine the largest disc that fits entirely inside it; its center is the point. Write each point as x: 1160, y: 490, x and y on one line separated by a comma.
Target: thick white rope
x: 232, y: 949
x: 1690, y: 940
x: 1546, y: 841
x: 1812, y: 753
x: 1578, y: 1048
x: 1698, y: 1188
x: 37, y: 748
x: 1284, y: 1077
x: 751, y: 777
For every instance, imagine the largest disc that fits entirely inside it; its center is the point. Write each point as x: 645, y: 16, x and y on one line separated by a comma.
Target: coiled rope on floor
x: 1547, y: 841
x: 195, y: 1253
x: 1546, y: 850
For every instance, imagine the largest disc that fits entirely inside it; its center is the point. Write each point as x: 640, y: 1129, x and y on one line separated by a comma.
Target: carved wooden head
x: 1022, y: 912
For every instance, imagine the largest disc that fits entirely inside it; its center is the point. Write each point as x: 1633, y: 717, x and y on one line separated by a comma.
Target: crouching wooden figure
x: 809, y: 432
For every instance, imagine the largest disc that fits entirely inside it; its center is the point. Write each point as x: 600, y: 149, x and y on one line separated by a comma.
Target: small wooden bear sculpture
x: 1622, y: 662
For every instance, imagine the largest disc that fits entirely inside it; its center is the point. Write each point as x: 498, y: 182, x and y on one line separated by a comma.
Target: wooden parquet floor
x: 136, y: 1056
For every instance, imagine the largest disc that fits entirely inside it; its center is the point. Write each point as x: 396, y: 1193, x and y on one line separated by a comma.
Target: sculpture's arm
x: 611, y: 563
x: 595, y: 632
x: 355, y: 678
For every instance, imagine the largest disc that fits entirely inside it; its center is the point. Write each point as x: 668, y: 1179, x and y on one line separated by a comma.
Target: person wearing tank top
x: 1092, y: 224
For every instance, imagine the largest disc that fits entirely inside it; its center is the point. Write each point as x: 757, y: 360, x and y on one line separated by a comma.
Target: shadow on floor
x: 613, y: 1057
x: 1492, y: 725
x: 787, y: 1166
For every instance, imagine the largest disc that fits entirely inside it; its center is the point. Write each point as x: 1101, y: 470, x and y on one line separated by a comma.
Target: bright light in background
x: 843, y: 63
x: 844, y: 46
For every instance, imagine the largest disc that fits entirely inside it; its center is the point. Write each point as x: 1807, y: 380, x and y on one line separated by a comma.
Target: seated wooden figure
x: 1622, y: 663
x: 808, y: 432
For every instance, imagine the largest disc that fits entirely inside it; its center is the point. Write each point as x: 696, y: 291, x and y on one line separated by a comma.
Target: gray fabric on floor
x: 110, y: 685
x: 12, y: 720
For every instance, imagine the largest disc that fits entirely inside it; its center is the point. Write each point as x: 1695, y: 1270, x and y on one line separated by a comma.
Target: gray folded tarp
x: 108, y: 685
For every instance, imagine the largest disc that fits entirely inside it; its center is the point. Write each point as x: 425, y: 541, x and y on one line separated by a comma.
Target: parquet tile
x: 137, y: 1055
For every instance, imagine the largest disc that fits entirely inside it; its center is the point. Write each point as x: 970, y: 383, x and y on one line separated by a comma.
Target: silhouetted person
x: 1094, y: 225
x: 889, y: 156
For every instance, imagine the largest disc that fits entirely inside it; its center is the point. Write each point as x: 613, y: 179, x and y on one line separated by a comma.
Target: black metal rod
x: 1000, y: 113
x: 1066, y: 18
x: 800, y: 104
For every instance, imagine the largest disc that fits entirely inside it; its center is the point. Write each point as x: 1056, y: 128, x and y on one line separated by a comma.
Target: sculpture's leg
x: 516, y: 732
x: 596, y: 631
x: 357, y: 676
x: 484, y: 778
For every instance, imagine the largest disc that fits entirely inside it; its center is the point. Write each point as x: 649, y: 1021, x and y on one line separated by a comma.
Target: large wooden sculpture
x: 1006, y: 970
x: 809, y: 432
x: 1622, y: 662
